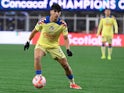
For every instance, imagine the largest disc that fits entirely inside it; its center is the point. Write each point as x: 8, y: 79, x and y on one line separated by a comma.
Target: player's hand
x: 27, y: 45
x: 69, y: 52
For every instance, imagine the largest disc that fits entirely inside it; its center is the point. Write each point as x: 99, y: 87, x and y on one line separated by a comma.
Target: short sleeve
x: 65, y: 29
x: 38, y: 27
x: 39, y: 24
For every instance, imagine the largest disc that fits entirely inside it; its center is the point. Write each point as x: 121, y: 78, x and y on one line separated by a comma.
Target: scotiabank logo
x: 84, y: 40
x: 79, y: 39
x: 90, y: 39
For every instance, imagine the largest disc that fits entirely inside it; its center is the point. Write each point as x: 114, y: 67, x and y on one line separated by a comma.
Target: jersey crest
x: 51, y: 28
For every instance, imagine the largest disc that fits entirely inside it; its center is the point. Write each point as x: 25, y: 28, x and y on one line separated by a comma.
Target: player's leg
x: 58, y: 55
x: 109, y: 51
x: 68, y: 71
x: 109, y: 48
x: 38, y: 54
x: 67, y: 68
x: 103, y: 48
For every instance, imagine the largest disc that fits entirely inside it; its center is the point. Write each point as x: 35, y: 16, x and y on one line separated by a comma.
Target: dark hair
x: 56, y: 7
x: 107, y: 9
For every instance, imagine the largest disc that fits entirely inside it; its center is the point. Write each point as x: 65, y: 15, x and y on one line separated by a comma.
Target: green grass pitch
x: 91, y: 73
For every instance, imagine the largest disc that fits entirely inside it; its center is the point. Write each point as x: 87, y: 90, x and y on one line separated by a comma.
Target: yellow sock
x: 109, y: 52
x: 103, y: 49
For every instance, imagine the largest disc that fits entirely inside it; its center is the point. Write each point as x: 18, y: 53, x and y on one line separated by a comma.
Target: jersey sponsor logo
x: 49, y: 36
x: 108, y: 23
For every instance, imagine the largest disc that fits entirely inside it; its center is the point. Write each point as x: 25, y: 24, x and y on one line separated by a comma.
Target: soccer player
x: 52, y: 26
x: 107, y: 31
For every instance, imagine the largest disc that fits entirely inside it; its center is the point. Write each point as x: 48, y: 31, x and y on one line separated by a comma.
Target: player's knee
x: 37, y: 58
x: 103, y: 44
x: 110, y: 45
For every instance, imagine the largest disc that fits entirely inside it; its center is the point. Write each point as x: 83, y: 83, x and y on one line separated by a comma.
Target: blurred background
x: 82, y: 16
x: 18, y: 18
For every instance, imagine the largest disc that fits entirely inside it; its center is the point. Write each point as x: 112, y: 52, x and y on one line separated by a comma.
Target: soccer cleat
x: 103, y: 57
x: 75, y: 86
x: 109, y: 57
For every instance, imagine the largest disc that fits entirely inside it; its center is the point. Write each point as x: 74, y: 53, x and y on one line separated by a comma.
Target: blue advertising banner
x: 117, y: 5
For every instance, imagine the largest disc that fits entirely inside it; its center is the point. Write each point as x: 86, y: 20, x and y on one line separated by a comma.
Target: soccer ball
x: 39, y: 81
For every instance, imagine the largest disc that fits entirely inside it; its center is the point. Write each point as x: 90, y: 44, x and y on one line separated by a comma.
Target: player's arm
x: 34, y: 31
x: 66, y: 39
x: 100, y: 27
x: 115, y: 25
x: 27, y: 44
x: 67, y: 45
x: 37, y: 28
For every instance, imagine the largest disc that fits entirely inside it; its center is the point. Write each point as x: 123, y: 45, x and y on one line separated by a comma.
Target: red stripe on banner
x: 79, y: 39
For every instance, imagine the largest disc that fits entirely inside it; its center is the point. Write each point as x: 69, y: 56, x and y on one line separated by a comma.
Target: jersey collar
x: 48, y: 20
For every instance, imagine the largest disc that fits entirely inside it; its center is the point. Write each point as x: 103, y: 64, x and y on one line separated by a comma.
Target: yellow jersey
x: 106, y: 26
x: 50, y: 32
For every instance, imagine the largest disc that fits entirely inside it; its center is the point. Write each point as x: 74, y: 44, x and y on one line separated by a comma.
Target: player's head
x: 56, y: 7
x: 55, y: 10
x: 107, y: 12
